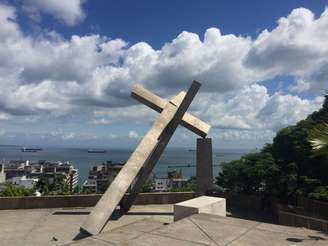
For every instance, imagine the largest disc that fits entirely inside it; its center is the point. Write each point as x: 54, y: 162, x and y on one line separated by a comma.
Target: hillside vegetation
x: 288, y: 167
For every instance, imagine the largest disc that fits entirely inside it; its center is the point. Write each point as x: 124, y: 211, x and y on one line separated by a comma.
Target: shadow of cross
x: 147, y: 152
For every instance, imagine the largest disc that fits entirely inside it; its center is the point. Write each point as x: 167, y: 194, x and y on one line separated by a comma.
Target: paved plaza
x: 33, y: 227
x: 147, y: 225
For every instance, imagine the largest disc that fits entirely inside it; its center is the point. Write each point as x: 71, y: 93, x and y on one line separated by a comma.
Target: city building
x: 2, y: 177
x: 23, y: 172
x: 162, y: 184
x: 174, y: 180
x: 28, y: 183
x: 179, y: 183
x: 2, y: 174
x: 101, y: 176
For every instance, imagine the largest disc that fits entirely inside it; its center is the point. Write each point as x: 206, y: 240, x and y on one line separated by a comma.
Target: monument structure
x: 143, y: 159
x: 204, y: 166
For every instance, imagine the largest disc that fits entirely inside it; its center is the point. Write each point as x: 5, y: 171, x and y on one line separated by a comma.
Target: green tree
x: 319, y: 134
x: 77, y: 190
x: 319, y: 139
x: 187, y: 188
x: 287, y: 168
x: 58, y: 186
x: 16, y: 190
x: 253, y: 173
x: 301, y: 172
x: 148, y: 187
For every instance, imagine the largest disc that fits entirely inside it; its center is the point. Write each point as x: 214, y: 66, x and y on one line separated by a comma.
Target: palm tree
x: 319, y: 135
x: 319, y: 139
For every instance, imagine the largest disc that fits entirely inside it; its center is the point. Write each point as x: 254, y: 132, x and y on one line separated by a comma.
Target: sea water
x: 172, y: 159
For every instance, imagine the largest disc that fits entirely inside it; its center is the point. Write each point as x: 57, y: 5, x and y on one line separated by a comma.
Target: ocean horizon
x: 173, y: 158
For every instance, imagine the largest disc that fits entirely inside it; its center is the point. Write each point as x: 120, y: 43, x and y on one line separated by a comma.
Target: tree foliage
x: 319, y: 135
x: 189, y: 187
x: 58, y: 186
x: 149, y: 186
x: 288, y: 167
x: 16, y: 190
x: 253, y: 173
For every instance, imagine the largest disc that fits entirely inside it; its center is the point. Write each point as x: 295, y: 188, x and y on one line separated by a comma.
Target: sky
x: 67, y: 68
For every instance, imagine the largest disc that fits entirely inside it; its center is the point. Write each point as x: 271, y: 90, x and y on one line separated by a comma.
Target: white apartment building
x: 23, y: 181
x: 2, y: 174
x: 162, y: 184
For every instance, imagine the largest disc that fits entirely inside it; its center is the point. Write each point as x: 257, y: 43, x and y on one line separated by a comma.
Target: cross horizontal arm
x: 157, y: 103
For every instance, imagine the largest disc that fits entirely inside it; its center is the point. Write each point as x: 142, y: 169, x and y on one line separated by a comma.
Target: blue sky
x: 157, y: 22
x: 67, y: 68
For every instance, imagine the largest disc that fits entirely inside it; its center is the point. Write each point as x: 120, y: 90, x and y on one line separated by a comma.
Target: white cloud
x: 235, y: 135
x: 9, y: 29
x: 4, y: 116
x: 297, y: 47
x: 102, y: 122
x: 299, y: 86
x: 134, y: 112
x: 253, y: 108
x: 282, y: 110
x: 70, y: 12
x: 53, y: 76
x: 133, y: 135
x: 68, y: 135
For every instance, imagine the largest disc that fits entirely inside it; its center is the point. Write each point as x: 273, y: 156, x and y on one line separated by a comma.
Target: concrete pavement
x: 147, y: 225
x: 44, y: 227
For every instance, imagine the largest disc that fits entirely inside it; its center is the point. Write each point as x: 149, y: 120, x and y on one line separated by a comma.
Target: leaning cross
x: 147, y: 153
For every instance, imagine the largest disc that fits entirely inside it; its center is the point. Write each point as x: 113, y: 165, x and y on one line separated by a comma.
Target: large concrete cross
x: 147, y: 153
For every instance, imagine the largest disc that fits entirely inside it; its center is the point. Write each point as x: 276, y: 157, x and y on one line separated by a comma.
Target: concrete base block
x: 202, y: 204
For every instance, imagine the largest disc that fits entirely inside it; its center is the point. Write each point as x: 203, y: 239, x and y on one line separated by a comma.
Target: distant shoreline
x: 239, y: 150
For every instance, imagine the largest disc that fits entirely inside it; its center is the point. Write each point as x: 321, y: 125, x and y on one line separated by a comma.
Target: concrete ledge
x: 88, y: 200
x: 202, y: 204
x: 297, y: 220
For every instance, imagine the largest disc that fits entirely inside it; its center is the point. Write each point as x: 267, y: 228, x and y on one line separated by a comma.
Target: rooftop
x: 147, y: 225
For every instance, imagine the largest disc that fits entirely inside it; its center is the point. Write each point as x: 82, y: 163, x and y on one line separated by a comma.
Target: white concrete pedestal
x: 202, y: 204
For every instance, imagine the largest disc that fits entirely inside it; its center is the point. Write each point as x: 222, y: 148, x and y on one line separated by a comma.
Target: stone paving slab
x: 261, y: 237
x: 148, y: 225
x: 89, y: 242
x: 34, y: 227
x: 150, y: 239
x: 205, y: 229
x: 184, y: 230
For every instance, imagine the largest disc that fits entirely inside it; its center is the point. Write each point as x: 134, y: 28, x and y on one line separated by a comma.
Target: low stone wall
x: 316, y: 208
x: 298, y: 220
x: 234, y: 200
x: 88, y: 200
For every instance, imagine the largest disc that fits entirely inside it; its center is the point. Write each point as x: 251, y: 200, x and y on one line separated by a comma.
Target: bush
x: 253, y: 173
x: 190, y: 187
x: 57, y: 187
x: 16, y: 190
x: 320, y: 193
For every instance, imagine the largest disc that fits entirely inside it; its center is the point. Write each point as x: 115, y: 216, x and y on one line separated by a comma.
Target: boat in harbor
x: 97, y: 151
x: 30, y: 149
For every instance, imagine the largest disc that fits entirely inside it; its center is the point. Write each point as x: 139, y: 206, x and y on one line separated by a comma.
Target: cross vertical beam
x: 150, y: 164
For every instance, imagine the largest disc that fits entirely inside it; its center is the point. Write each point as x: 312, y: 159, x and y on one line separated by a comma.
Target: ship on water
x: 97, y: 151
x: 30, y: 149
